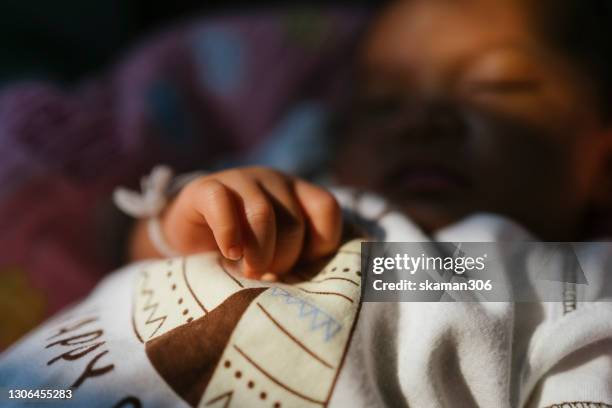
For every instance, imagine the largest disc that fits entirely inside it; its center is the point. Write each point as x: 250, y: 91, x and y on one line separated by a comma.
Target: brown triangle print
x: 186, y: 356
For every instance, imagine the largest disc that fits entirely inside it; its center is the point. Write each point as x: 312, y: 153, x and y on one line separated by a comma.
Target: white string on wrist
x: 149, y: 203
x: 156, y: 237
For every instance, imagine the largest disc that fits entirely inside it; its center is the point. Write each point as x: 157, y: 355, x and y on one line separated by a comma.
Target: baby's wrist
x: 147, y: 238
x: 139, y: 245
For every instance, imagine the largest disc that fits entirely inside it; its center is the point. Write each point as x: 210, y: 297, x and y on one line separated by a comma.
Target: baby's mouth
x: 426, y: 181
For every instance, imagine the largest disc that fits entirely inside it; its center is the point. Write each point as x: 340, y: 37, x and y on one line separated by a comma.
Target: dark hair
x: 582, y: 29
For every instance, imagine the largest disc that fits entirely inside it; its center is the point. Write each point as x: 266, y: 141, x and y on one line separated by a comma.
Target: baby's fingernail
x: 269, y: 277
x: 234, y: 253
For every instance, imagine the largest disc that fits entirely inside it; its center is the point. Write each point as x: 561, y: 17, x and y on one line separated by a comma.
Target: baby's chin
x: 431, y: 217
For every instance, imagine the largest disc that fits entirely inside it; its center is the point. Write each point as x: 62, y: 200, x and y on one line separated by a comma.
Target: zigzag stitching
x: 153, y: 307
x: 329, y: 330
x: 332, y: 327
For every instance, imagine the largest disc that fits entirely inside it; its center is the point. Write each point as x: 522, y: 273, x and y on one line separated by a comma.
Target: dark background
x: 62, y: 40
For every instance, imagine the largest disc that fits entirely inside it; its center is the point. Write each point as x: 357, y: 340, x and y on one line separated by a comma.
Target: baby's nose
x: 434, y: 121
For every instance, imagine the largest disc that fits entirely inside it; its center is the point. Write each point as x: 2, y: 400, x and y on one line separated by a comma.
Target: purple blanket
x: 188, y: 97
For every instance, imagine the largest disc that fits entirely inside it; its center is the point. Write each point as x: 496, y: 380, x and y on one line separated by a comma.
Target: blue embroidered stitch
x: 318, y: 318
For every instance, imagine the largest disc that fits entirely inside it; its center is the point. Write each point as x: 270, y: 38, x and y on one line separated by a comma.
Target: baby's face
x: 462, y: 107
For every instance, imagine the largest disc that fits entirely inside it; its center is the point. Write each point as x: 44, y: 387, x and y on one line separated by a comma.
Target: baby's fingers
x: 323, y: 219
x: 290, y: 229
x: 217, y: 205
x: 259, y: 226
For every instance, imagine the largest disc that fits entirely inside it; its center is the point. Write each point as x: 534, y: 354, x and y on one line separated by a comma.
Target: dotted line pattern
x: 250, y: 384
x: 344, y: 270
x: 185, y: 312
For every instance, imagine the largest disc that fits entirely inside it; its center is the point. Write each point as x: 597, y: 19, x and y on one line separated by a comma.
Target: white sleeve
x: 582, y: 378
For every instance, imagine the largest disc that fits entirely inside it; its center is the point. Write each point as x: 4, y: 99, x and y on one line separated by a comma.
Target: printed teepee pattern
x: 221, y: 341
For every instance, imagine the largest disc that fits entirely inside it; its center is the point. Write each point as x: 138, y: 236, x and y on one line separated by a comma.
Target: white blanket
x: 185, y: 332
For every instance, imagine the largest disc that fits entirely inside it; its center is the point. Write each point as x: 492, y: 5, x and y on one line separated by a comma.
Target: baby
x: 460, y: 107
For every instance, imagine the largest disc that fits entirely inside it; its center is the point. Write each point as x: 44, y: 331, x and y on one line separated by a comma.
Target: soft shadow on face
x: 443, y: 163
x: 463, y: 109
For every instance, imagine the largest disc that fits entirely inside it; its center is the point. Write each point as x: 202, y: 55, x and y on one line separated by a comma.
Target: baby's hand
x: 266, y: 219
